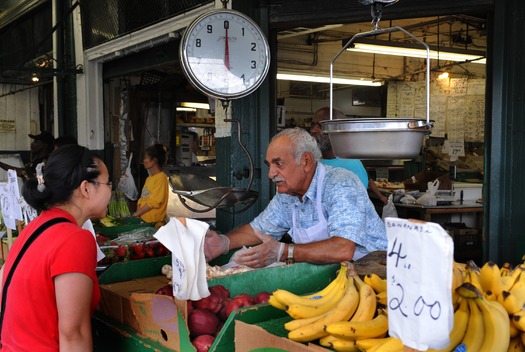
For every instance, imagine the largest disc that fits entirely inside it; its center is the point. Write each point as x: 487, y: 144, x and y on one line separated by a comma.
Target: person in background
x: 63, y: 140
x: 325, y: 210
x: 153, y: 202
x: 329, y: 157
x: 54, y: 288
x: 194, y: 149
x: 41, y: 147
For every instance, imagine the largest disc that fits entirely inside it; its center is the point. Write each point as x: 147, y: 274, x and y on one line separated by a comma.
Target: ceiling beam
x: 294, y: 13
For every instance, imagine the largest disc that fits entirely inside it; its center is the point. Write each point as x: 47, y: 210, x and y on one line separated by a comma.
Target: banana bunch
x: 340, y: 315
x: 486, y: 326
x: 481, y: 321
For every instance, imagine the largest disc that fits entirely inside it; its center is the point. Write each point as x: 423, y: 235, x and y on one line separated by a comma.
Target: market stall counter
x: 118, y: 327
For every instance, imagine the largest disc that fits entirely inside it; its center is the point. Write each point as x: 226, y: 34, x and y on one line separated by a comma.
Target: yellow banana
x: 344, y: 345
x: 327, y: 340
x: 513, y: 330
x: 275, y: 303
x: 490, y: 278
x: 516, y: 345
x: 513, y: 300
x: 518, y: 319
x: 457, y: 280
x: 344, y: 309
x: 522, y: 337
x: 382, y: 298
x: 376, y: 282
x: 287, y: 298
x: 489, y: 296
x: 473, y: 338
x: 297, y: 323
x: 367, y: 344
x: 461, y: 318
x: 512, y: 279
x: 367, y: 301
x: 357, y: 330
x: 505, y: 270
x: 299, y: 310
x: 392, y: 345
x: 496, y: 322
x: 473, y: 275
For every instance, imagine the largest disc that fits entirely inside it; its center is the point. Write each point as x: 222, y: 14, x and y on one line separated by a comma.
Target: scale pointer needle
x: 226, y: 48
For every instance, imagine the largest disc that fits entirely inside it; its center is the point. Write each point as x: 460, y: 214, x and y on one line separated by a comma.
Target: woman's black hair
x: 157, y: 151
x: 63, y: 172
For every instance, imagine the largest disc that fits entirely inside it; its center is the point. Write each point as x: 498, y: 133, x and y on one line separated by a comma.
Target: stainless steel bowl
x: 376, y: 138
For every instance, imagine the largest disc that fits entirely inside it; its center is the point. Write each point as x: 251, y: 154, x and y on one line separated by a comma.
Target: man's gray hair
x: 302, y: 142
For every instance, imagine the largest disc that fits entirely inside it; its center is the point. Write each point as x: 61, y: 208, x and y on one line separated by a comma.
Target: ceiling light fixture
x: 35, y: 78
x: 325, y: 79
x: 443, y: 75
x: 186, y: 109
x: 383, y: 47
x: 195, y: 105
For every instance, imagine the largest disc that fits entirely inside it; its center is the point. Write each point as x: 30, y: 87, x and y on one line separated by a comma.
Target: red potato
x: 203, y: 343
x: 261, y: 297
x: 212, y: 303
x: 202, y: 322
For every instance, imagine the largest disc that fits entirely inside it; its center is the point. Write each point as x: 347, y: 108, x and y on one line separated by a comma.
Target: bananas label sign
x: 419, y: 276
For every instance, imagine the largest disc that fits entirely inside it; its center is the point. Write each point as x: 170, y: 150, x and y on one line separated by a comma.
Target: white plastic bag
x: 389, y: 210
x: 126, y: 183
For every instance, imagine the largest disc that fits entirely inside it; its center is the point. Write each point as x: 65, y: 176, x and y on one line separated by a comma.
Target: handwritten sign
x: 419, y: 270
x: 456, y: 148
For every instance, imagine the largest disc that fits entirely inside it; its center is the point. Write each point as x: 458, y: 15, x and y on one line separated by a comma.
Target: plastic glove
x: 262, y: 255
x: 215, y: 245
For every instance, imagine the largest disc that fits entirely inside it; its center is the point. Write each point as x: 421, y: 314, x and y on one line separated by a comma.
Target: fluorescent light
x: 186, y: 109
x: 406, y: 49
x: 195, y: 105
x: 323, y: 79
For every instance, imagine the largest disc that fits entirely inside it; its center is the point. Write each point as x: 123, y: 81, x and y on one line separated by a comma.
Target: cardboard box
x: 162, y: 319
x: 250, y: 337
x: 115, y: 301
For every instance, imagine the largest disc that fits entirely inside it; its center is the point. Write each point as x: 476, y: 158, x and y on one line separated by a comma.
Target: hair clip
x: 40, y: 177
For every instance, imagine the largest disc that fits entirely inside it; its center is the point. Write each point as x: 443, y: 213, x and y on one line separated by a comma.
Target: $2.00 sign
x: 419, y: 273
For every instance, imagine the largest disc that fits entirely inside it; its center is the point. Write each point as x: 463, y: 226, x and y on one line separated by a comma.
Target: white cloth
x: 187, y: 255
x: 319, y: 231
x: 88, y: 225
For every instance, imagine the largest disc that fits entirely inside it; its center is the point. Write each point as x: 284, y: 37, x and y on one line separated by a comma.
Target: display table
x: 425, y: 213
x: 467, y: 241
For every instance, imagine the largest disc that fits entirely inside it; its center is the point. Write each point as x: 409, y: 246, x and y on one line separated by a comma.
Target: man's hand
x: 264, y: 254
x: 215, y: 245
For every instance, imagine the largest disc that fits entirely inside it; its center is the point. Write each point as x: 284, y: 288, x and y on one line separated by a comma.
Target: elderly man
x: 325, y: 210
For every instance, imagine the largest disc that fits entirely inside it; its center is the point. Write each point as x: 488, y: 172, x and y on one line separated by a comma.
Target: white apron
x: 319, y: 231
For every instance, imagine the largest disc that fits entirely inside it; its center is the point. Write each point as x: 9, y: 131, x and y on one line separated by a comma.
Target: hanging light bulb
x: 35, y: 78
x: 443, y: 75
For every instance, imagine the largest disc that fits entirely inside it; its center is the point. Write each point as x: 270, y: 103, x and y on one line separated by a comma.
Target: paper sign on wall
x: 419, y: 273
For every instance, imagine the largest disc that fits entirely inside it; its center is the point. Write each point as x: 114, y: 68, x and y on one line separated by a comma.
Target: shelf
x: 203, y: 125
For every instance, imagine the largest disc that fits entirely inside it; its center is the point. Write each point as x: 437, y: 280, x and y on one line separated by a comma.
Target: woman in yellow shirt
x: 153, y: 202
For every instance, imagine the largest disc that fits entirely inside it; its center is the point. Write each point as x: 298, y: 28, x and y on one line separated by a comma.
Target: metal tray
x: 206, y: 192
x: 376, y: 138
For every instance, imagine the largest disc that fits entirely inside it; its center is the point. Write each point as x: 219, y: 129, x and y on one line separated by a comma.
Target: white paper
x: 187, y: 257
x: 88, y: 225
x: 419, y: 273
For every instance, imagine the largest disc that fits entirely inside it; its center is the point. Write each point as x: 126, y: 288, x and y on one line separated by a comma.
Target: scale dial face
x: 224, y: 54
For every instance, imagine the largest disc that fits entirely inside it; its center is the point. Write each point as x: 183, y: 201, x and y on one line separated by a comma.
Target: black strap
x: 26, y: 245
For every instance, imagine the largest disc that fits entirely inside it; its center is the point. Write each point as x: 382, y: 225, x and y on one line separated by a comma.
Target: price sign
x: 456, y: 149
x: 419, y: 271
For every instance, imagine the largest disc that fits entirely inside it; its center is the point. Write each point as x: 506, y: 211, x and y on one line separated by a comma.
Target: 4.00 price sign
x: 419, y: 273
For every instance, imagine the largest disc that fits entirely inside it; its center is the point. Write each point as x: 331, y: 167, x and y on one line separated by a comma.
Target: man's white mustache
x: 277, y: 179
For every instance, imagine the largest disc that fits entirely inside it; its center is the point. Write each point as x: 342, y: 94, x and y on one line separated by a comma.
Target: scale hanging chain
x: 376, y: 11
x: 225, y: 3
